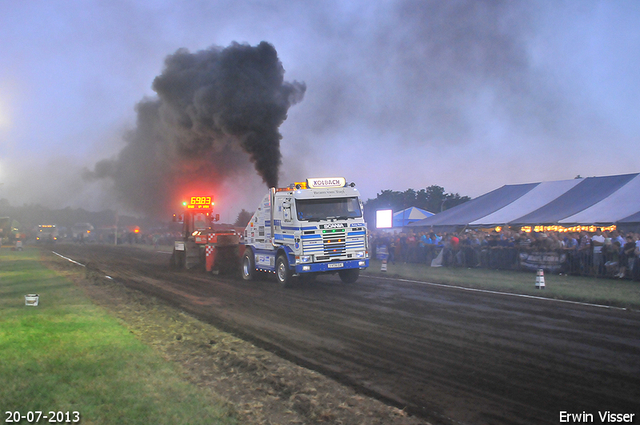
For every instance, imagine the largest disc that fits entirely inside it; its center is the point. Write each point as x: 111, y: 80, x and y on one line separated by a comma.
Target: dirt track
x: 449, y: 356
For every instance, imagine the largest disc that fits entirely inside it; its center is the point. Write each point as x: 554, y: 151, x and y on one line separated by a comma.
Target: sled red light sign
x: 199, y: 202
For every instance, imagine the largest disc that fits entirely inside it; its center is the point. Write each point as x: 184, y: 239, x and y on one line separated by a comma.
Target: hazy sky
x: 468, y: 95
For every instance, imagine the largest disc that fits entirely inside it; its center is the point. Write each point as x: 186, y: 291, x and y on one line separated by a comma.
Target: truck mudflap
x: 332, y: 266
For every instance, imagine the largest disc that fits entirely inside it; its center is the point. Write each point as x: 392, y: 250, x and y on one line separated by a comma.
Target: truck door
x: 286, y: 211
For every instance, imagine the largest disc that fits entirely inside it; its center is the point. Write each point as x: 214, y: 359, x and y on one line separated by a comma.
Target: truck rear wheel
x: 349, y: 275
x: 283, y: 273
x: 248, y: 265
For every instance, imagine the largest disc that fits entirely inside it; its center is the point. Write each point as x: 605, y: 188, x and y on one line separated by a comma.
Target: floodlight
x: 384, y: 219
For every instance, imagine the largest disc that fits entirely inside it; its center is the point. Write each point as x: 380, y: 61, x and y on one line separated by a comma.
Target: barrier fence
x: 567, y: 261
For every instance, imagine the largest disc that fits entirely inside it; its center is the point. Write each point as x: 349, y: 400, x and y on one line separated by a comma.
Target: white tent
x: 409, y: 215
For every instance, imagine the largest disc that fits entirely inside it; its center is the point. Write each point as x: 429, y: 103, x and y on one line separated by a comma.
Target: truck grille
x: 334, y: 242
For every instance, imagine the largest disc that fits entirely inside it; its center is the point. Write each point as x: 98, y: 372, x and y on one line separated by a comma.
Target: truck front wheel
x: 349, y: 275
x: 283, y: 273
x: 248, y: 265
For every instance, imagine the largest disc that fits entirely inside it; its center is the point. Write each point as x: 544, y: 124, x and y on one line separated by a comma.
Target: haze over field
x: 468, y: 95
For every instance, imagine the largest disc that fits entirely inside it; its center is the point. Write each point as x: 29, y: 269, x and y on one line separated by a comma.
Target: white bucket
x: 31, y: 299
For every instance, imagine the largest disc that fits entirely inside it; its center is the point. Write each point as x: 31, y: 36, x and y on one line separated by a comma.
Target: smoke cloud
x: 217, y: 111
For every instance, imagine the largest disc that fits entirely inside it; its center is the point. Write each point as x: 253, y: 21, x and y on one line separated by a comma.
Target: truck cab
x: 47, y: 233
x: 306, y: 229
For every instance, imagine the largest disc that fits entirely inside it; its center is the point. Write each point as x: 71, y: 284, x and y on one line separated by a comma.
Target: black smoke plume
x: 213, y: 107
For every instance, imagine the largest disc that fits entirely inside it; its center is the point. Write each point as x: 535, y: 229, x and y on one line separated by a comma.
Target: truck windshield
x: 328, y: 208
x: 201, y: 221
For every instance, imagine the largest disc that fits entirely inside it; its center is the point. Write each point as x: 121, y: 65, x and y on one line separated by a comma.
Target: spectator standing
x: 403, y: 246
x: 433, y: 242
x: 636, y: 259
x: 523, y: 242
x: 412, y: 248
x: 571, y: 245
x: 570, y: 241
x: 393, y: 246
x: 554, y: 242
x: 422, y: 243
x: 616, y: 236
x: 627, y: 256
x: 612, y: 257
x: 597, y: 242
x: 584, y: 253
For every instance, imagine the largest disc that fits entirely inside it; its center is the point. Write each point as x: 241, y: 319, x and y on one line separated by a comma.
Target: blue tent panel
x: 634, y: 218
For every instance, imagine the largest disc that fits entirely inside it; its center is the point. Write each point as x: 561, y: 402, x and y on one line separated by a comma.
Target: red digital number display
x: 200, y: 200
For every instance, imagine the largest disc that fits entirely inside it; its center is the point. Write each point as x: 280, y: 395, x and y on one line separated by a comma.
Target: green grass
x: 69, y: 355
x: 612, y: 292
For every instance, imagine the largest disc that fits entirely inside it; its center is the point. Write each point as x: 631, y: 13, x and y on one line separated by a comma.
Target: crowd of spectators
x: 612, y: 254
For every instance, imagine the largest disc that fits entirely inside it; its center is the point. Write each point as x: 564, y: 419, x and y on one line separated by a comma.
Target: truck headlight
x: 359, y: 254
x: 303, y: 259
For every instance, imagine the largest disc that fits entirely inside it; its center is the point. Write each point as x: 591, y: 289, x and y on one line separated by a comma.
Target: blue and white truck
x: 306, y: 229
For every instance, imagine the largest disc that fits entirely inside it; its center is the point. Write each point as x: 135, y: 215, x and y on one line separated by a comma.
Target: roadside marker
x: 540, y: 279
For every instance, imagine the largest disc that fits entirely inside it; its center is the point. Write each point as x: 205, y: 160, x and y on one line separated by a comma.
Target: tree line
x: 433, y: 199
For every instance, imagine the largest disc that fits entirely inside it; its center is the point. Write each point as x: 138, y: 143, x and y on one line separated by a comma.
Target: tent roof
x: 412, y: 213
x: 409, y: 215
x: 620, y: 204
x: 463, y: 214
x: 594, y: 200
x: 537, y: 197
x: 587, y: 193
